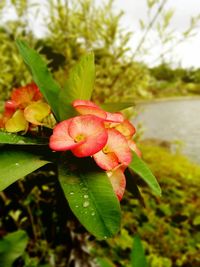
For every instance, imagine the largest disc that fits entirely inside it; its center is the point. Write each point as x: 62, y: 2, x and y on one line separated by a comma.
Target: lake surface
x: 173, y: 120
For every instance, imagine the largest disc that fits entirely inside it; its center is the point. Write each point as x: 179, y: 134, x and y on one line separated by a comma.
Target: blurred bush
x: 169, y: 226
x: 13, y: 70
x: 83, y: 25
x: 71, y: 29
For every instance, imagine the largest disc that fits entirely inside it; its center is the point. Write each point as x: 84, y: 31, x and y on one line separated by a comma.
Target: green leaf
x: 41, y: 75
x: 92, y: 200
x: 9, y: 138
x: 114, y: 107
x: 138, y: 258
x: 79, y: 85
x: 17, y: 164
x: 103, y: 262
x: 196, y: 220
x: 12, y: 246
x: 145, y: 173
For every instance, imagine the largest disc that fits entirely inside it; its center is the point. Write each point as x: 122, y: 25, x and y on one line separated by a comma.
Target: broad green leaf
x: 92, y: 200
x: 17, y: 164
x: 114, y: 107
x: 41, y: 75
x: 12, y: 246
x: 139, y: 167
x: 79, y: 85
x: 9, y: 138
x: 138, y: 258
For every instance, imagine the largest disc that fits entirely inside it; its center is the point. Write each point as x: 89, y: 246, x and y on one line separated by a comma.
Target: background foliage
x: 70, y: 30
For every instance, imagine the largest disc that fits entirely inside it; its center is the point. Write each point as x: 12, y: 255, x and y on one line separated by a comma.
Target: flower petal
x: 114, y: 117
x: 61, y: 140
x: 118, y: 181
x: 24, y: 95
x: 9, y: 110
x: 36, y: 112
x: 126, y: 128
x: 85, y: 107
x: 106, y: 161
x: 88, y: 107
x: 10, y: 107
x: 87, y: 110
x: 92, y: 128
x: 16, y: 123
x: 134, y: 147
x: 87, y: 103
x: 116, y: 144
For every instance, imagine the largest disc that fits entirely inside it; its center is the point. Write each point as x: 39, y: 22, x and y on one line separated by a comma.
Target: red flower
x: 25, y: 95
x: 25, y: 109
x: 83, y: 135
x: 105, y: 136
x: 115, y: 152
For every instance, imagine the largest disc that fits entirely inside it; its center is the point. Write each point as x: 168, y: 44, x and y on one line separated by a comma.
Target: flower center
x: 106, y: 150
x: 79, y: 138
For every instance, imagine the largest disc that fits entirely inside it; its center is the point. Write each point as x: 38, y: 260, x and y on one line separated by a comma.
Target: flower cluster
x: 105, y: 136
x: 25, y: 109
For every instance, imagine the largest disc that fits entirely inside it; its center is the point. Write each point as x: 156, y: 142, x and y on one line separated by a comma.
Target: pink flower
x: 127, y: 129
x: 83, y: 135
x: 115, y: 152
x: 88, y: 107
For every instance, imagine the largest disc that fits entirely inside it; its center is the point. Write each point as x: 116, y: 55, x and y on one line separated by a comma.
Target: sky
x: 186, y: 54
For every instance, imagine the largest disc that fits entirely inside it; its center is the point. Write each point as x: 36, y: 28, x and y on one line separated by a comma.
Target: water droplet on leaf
x: 21, y: 142
x: 86, y: 204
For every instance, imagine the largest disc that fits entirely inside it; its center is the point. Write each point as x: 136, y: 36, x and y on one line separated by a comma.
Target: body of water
x: 173, y: 120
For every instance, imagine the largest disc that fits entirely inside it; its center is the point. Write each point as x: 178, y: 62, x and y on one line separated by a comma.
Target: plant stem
x: 151, y: 23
